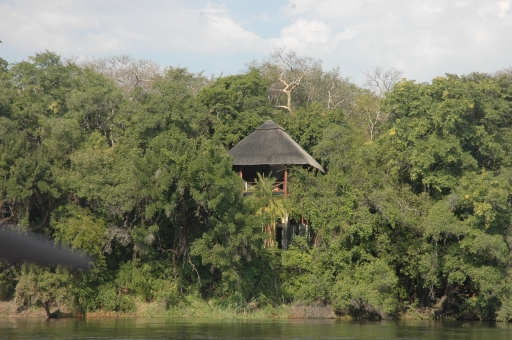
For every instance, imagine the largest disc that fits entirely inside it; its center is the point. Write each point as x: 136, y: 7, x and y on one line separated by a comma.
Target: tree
x: 273, y: 208
x: 367, y: 111
x: 382, y: 81
x: 127, y: 72
x: 296, y: 81
x: 39, y: 135
x: 285, y: 71
x: 45, y: 288
x: 446, y: 128
x: 445, y: 144
x: 237, y: 105
x: 4, y: 65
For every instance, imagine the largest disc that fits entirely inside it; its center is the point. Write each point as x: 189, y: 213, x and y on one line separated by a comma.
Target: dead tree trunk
x: 288, y: 89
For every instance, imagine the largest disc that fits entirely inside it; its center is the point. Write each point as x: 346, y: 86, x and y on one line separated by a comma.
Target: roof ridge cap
x: 269, y: 125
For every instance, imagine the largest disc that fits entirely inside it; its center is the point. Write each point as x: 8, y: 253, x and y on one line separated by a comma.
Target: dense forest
x: 128, y: 162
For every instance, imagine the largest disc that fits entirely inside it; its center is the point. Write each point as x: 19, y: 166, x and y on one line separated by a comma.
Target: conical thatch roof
x: 270, y: 145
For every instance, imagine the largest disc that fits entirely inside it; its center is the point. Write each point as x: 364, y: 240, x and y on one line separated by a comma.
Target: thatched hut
x: 269, y: 149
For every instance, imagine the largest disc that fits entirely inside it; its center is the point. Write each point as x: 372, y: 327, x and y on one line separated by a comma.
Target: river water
x: 87, y: 329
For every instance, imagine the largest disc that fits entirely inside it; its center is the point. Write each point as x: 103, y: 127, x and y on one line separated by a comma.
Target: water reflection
x: 11, y: 328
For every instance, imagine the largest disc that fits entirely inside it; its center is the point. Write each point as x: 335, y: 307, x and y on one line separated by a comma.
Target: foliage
x: 237, y: 105
x: 44, y: 287
x: 367, y: 288
x: 414, y: 208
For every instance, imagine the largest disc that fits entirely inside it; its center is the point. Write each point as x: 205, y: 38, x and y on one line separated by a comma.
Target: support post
x: 284, y: 235
x: 285, y: 184
x: 242, y: 177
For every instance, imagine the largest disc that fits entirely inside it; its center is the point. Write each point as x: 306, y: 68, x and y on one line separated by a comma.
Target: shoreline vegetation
x: 128, y: 162
x: 204, y: 310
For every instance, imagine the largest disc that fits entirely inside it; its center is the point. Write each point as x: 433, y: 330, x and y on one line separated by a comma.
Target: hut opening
x: 250, y: 176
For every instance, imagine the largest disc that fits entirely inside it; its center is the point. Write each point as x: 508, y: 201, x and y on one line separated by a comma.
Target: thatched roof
x: 270, y: 145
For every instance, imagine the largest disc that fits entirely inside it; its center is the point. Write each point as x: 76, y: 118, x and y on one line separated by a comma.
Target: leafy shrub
x: 368, y: 289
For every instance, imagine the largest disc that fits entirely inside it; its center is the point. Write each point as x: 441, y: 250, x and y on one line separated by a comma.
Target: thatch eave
x: 270, y: 145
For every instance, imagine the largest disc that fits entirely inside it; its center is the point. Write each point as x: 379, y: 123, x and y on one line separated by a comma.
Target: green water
x: 243, y: 329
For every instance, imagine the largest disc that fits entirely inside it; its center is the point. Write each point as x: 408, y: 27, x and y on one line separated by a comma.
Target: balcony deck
x: 277, y: 188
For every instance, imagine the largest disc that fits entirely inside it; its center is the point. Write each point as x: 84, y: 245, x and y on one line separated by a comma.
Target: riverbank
x: 10, y: 309
x: 193, y: 309
x: 212, y: 309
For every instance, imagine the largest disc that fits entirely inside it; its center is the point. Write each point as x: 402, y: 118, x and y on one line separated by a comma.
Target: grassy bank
x: 194, y: 308
x: 191, y: 308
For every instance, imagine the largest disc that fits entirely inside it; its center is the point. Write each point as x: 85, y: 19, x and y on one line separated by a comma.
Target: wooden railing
x: 277, y: 188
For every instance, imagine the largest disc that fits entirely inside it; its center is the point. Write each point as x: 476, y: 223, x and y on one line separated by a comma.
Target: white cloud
x: 503, y: 6
x: 303, y: 33
x: 34, y: 26
x: 306, y: 36
x: 221, y: 32
x: 118, y: 27
x: 424, y: 38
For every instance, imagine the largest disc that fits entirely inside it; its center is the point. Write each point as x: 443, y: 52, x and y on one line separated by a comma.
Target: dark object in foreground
x: 16, y: 247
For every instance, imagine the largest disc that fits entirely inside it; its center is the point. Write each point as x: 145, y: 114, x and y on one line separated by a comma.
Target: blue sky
x: 423, y: 38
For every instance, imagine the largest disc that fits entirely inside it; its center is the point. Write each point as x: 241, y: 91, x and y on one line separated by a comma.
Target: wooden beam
x: 285, y: 184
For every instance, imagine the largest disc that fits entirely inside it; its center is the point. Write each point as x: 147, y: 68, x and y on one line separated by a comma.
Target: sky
x: 423, y: 38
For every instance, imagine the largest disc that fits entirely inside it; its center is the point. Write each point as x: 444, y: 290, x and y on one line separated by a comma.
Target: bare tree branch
x: 293, y: 69
x: 382, y: 81
x: 297, y: 81
x: 126, y: 71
